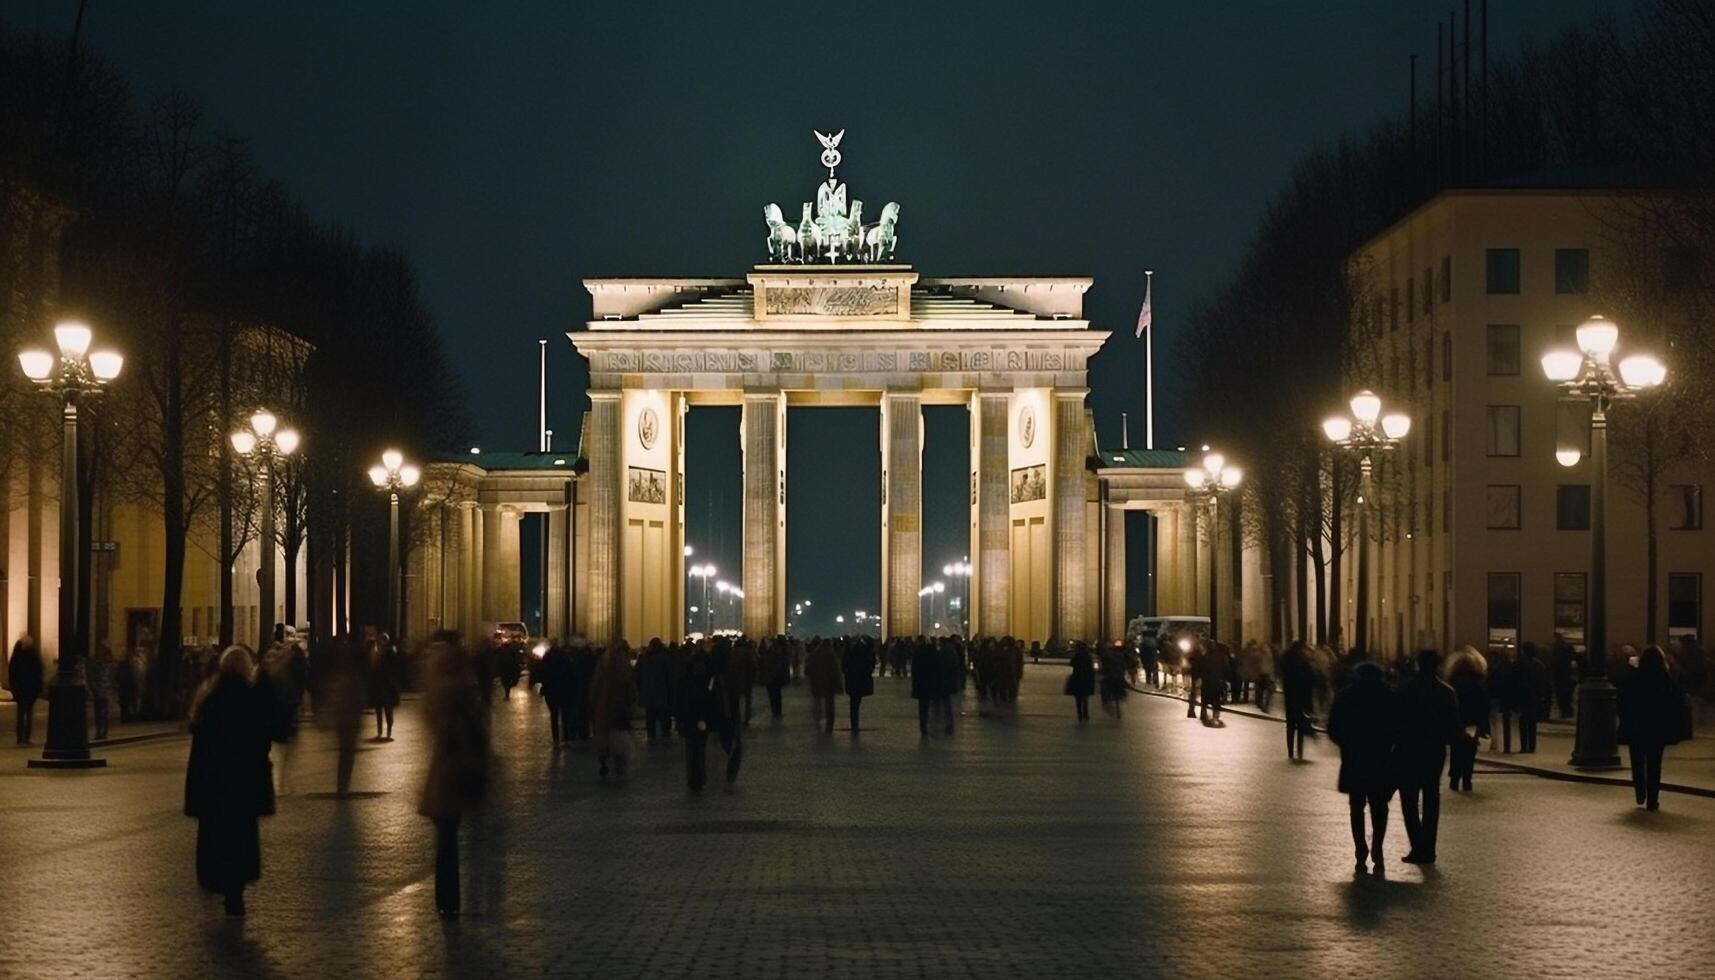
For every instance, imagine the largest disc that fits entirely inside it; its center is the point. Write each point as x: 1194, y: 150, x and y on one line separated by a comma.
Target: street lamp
x: 392, y: 475
x: 1364, y: 433
x: 73, y: 373
x: 1212, y: 481
x: 1589, y: 375
x: 269, y: 444
x: 704, y: 572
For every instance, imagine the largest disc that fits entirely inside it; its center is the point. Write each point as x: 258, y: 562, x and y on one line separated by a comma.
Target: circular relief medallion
x: 1026, y: 426
x: 648, y: 427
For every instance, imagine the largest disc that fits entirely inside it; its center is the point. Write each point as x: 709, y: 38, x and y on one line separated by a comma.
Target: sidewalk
x: 118, y: 734
x: 1687, y: 768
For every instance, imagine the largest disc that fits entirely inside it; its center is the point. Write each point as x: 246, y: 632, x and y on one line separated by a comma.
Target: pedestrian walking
x: 1362, y: 723
x: 1536, y: 694
x: 702, y: 708
x: 228, y: 786
x: 613, y: 694
x: 346, y: 692
x: 508, y: 667
x: 655, y: 689
x: 1428, y: 728
x: 584, y: 660
x: 822, y: 671
x: 99, y: 675
x: 1114, y: 666
x: 384, y: 677
x: 554, y: 673
x: 1653, y: 715
x: 857, y: 664
x: 1298, y: 691
x: 1504, y: 694
x: 1564, y: 667
x: 280, y: 677
x: 1081, y: 682
x: 772, y: 672
x: 925, y: 682
x: 24, y: 680
x: 1466, y: 672
x: 456, y: 720
x: 1215, y: 671
x: 741, y: 671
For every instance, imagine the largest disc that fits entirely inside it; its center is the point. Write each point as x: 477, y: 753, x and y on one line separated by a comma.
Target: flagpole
x: 1149, y: 365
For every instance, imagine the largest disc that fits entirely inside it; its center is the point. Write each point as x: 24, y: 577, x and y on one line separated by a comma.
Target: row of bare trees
x: 225, y: 295
x: 1616, y: 106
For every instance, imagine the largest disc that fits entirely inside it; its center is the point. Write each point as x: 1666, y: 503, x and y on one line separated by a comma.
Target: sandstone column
x: 1187, y: 548
x: 1113, y: 573
x: 604, y: 572
x: 763, y: 433
x: 993, y: 548
x: 500, y: 570
x: 902, y: 510
x: 555, y: 619
x: 1071, y: 445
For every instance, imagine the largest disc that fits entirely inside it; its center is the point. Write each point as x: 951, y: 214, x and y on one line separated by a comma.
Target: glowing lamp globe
x: 1568, y: 457
x: 409, y: 475
x: 1396, y: 425
x: 1597, y: 336
x: 1195, y: 479
x: 378, y: 475
x: 392, y: 459
x: 286, y: 441
x: 1642, y: 371
x: 37, y: 364
x: 244, y: 442
x: 264, y: 422
x: 1338, y: 428
x: 1562, y: 365
x: 72, y: 338
x: 1366, y: 407
x: 1231, y: 477
x: 106, y: 364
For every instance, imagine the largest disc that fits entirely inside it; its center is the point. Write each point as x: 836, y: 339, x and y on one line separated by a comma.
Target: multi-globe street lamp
x: 1588, y: 374
x: 1364, y: 433
x: 268, y: 444
x: 72, y: 374
x: 393, y: 474
x: 1212, y: 481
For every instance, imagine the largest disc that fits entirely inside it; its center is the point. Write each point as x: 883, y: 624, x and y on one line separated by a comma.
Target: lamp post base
x: 1596, y: 742
x: 68, y: 732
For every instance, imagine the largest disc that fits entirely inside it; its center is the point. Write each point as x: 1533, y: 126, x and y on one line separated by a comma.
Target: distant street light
x: 392, y: 475
x: 962, y: 570
x: 264, y: 440
x: 1214, y: 480
x: 1364, y: 433
x: 1588, y: 375
x: 704, y: 572
x: 74, y: 373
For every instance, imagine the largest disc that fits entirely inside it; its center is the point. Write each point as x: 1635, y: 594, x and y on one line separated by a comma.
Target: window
x: 1684, y: 605
x: 1447, y: 509
x: 1503, y: 430
x: 1410, y: 300
x: 1503, y: 507
x: 1428, y: 290
x: 1570, y: 604
x: 1429, y: 362
x: 1685, y: 507
x: 1393, y: 310
x: 1501, y: 270
x: 1429, y: 524
x: 1503, y: 348
x: 1571, y: 270
x: 1572, y: 507
x: 1504, y: 589
x: 1428, y: 431
x: 1446, y: 433
x: 1446, y: 278
x: 1447, y: 356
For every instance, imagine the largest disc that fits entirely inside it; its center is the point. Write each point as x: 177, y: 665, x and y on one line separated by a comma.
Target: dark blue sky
x: 513, y: 149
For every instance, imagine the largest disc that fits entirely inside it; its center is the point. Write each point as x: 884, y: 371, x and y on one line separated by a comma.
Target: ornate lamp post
x: 268, y: 444
x: 393, y: 474
x: 1214, y: 480
x: 71, y: 374
x: 1365, y: 433
x: 1588, y: 375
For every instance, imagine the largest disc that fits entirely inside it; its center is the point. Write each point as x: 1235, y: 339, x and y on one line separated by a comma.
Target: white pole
x: 1149, y: 364
x: 542, y: 399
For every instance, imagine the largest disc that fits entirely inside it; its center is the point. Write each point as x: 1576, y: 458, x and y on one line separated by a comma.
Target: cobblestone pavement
x: 1027, y: 847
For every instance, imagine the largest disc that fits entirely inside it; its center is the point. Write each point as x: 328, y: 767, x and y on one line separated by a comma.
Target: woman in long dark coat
x: 1652, y: 717
x: 858, y: 664
x: 1467, y: 672
x: 1361, y: 723
x: 1298, y: 688
x: 228, y: 784
x: 1082, y: 681
x: 24, y: 680
x: 455, y: 714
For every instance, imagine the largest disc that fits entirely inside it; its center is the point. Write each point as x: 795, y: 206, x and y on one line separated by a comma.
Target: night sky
x: 514, y: 149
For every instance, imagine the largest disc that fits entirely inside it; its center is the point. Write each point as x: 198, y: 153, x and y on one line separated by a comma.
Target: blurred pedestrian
x: 281, y: 677
x: 1565, y: 670
x: 1466, y: 671
x: 703, y: 707
x: 1535, y: 693
x: 345, y: 697
x: 857, y: 664
x: 1428, y: 727
x: 98, y: 675
x: 1654, y: 714
x: 741, y: 678
x: 654, y: 675
x: 1114, y: 665
x: 1081, y: 682
x: 822, y: 670
x: 508, y: 666
x: 1298, y: 690
x: 1362, y: 723
x: 385, y: 675
x: 457, y: 780
x: 24, y: 680
x: 554, y: 673
x: 227, y: 782
x: 1504, y: 693
x: 584, y: 659
x: 1215, y: 671
x: 613, y: 694
x: 772, y: 672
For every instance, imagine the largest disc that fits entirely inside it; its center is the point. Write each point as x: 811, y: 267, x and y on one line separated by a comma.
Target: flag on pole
x: 1145, y: 315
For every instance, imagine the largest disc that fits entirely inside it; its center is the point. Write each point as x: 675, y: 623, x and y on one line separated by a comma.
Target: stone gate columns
x: 603, y: 614
x: 991, y: 551
x: 901, y: 511
x: 557, y: 617
x: 501, y: 601
x: 763, y: 433
x: 1071, y: 444
x: 1113, y: 574
x: 1187, y: 563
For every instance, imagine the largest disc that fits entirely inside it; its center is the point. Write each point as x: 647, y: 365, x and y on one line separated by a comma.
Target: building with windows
x: 1483, y: 537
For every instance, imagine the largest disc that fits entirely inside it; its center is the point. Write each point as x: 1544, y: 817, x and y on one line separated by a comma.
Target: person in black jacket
x: 1504, y: 693
x: 702, y: 708
x: 1298, y: 689
x: 1565, y: 670
x: 24, y: 680
x: 228, y: 783
x: 858, y: 664
x: 1536, y: 694
x: 1082, y: 682
x: 925, y: 681
x: 1428, y: 727
x: 1652, y: 717
x: 1467, y: 673
x: 559, y: 690
x: 1362, y: 723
